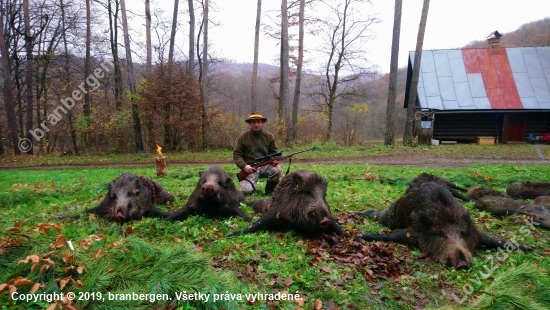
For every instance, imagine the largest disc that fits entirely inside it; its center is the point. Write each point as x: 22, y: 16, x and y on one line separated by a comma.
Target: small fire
x: 159, y: 150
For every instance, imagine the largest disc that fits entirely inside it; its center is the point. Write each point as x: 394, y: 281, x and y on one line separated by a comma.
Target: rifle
x: 268, y: 160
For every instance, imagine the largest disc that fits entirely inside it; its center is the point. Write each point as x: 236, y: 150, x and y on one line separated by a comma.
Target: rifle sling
x: 289, y: 163
x: 252, y: 184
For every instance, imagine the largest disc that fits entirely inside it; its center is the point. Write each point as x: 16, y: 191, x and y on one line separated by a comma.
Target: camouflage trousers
x: 272, y: 173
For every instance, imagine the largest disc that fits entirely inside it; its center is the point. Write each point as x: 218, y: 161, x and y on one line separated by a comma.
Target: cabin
x: 465, y: 94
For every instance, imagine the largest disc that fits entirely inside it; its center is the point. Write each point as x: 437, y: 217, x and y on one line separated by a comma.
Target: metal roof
x: 483, y: 79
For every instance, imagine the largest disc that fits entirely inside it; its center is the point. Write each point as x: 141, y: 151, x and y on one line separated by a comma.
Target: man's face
x: 256, y: 125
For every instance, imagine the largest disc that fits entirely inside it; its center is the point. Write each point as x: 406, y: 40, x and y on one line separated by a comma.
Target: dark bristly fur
x: 426, y: 177
x: 215, y: 195
x: 132, y: 198
x: 543, y: 201
x: 528, y: 189
x: 477, y: 192
x: 429, y: 218
x: 298, y: 204
x: 504, y: 206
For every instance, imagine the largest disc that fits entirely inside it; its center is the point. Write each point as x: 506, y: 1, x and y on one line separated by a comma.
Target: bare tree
x: 149, y: 56
x: 392, y: 92
x: 8, y: 90
x: 68, y: 77
x: 408, y: 137
x: 173, y: 33
x: 203, y: 82
x: 346, y: 31
x: 254, y: 104
x: 138, y: 139
x: 28, y: 77
x: 87, y: 97
x: 191, y: 57
x: 283, y: 109
x: 293, y: 130
x: 113, y: 40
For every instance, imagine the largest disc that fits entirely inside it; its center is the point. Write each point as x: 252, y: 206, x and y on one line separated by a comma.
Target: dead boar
x: 543, y: 201
x: 298, y: 203
x: 429, y: 218
x: 425, y: 177
x: 504, y: 206
x: 131, y: 198
x: 477, y: 192
x: 215, y: 195
x: 528, y: 189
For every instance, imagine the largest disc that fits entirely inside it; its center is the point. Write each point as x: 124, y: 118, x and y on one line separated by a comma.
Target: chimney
x: 494, y: 40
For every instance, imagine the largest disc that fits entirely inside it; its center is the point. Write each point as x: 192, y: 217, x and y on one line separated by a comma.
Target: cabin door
x: 513, y: 127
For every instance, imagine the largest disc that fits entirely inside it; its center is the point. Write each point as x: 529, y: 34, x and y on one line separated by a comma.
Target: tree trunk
x: 149, y: 61
x: 87, y: 97
x: 294, y: 122
x: 284, y: 111
x: 68, y: 76
x: 191, y: 57
x: 392, y: 92
x: 408, y: 138
x: 29, y: 70
x: 254, y: 105
x: 204, y: 81
x: 8, y: 90
x: 113, y: 31
x: 173, y: 34
x: 138, y: 140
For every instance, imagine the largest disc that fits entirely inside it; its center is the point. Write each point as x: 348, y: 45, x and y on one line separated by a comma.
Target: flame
x: 159, y: 150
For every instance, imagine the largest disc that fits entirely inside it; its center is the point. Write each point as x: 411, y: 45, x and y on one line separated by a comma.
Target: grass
x: 192, y: 256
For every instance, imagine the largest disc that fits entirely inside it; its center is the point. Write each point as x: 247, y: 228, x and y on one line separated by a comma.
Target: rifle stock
x: 241, y: 175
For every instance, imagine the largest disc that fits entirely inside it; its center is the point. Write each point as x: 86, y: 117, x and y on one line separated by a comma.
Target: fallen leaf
x: 318, y: 304
x: 34, y: 288
x: 288, y: 282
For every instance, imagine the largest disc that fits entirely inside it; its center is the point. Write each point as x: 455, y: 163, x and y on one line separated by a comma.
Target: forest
x: 93, y: 77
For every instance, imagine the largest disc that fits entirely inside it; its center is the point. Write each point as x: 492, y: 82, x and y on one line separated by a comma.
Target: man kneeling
x: 252, y: 144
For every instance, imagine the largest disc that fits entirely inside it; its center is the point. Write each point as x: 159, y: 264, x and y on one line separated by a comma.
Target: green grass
x: 153, y: 256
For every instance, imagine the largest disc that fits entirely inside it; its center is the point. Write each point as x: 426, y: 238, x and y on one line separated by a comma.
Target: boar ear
x: 227, y: 181
x: 424, y: 219
x: 466, y: 217
x: 137, y: 182
x: 296, y: 180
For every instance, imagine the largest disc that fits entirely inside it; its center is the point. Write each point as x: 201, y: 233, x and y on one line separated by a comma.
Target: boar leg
x: 337, y: 229
x: 240, y: 213
x: 154, y: 212
x: 181, y: 214
x: 398, y: 235
x: 258, y: 225
x: 488, y: 242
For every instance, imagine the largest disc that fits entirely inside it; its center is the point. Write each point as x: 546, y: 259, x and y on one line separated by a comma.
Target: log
x: 161, y: 166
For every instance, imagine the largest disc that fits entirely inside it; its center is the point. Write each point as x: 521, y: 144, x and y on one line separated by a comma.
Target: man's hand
x: 248, y: 169
x: 275, y: 163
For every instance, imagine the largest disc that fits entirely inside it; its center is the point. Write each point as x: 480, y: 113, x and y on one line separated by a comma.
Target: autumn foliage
x: 169, y: 102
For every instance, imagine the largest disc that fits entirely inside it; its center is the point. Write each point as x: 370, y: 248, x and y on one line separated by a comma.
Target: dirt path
x: 413, y: 161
